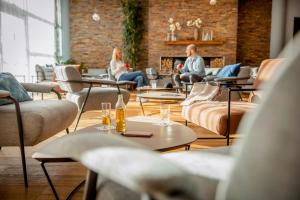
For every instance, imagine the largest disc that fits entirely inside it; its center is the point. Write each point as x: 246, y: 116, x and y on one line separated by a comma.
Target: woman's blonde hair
x: 114, y: 54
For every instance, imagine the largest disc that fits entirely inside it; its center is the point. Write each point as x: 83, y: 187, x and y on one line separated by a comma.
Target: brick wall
x: 221, y: 18
x: 92, y: 43
x: 254, y: 26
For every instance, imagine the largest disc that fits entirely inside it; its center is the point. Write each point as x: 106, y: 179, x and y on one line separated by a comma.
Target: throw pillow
x: 9, y: 83
x: 229, y: 70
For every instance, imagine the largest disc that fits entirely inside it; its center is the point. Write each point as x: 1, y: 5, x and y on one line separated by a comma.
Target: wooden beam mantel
x: 200, y: 42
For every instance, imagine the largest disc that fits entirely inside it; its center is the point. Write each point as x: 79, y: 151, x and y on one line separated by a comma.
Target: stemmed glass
x: 165, y: 114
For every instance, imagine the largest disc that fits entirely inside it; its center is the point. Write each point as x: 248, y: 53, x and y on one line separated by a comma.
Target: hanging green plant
x: 132, y: 30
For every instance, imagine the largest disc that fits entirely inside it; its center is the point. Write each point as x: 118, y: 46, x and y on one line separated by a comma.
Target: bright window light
x: 13, y: 39
x: 42, y: 8
x: 41, y: 37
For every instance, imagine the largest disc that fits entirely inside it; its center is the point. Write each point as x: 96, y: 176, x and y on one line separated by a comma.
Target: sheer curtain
x: 28, y: 35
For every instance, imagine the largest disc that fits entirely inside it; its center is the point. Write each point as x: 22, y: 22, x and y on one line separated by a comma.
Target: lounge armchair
x: 223, y: 115
x: 45, y: 75
x: 127, y: 84
x: 264, y: 165
x: 86, y: 93
x: 29, y: 123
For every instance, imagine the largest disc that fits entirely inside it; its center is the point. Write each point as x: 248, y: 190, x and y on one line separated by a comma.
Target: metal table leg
x: 49, y: 181
x: 53, y: 188
x: 141, y: 104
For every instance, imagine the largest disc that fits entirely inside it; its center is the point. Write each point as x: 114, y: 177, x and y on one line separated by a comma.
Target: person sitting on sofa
x: 193, y: 68
x: 120, y: 70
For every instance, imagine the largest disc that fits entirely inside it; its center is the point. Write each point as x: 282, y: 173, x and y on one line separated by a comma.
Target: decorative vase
x: 173, y: 36
x: 169, y: 37
x: 196, y: 34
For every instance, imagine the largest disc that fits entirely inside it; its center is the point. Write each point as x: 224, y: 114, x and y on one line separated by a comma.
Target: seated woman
x: 120, y: 70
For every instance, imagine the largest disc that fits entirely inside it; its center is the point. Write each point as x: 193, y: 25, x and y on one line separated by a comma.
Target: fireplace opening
x: 168, y: 63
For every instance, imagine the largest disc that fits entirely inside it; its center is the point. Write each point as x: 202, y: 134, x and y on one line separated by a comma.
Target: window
x: 28, y: 35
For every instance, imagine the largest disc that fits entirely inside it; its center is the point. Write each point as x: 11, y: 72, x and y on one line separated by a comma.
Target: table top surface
x: 149, y: 88
x: 164, y: 138
x: 163, y: 96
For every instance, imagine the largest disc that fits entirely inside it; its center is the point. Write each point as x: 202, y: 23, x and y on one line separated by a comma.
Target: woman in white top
x: 120, y: 70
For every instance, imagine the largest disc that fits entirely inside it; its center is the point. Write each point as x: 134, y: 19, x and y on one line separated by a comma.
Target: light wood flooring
x: 67, y: 175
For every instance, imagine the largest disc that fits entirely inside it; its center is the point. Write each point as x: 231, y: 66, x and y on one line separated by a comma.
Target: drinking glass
x: 165, y: 114
x: 106, y: 117
x: 153, y: 83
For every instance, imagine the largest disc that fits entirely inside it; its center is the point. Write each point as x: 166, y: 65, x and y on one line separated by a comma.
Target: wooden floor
x: 67, y: 175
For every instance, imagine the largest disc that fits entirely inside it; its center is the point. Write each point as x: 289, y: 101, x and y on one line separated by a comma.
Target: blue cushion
x: 9, y: 83
x: 229, y: 70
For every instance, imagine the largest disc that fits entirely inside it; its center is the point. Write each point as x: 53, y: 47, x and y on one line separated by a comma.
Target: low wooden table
x: 164, y: 138
x: 160, y: 96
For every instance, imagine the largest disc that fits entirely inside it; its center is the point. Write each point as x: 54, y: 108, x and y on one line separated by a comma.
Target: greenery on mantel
x: 132, y: 30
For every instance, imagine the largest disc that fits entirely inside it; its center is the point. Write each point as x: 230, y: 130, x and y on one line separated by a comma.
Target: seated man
x: 193, y: 68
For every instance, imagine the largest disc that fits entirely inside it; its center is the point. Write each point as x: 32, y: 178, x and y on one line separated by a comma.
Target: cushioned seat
x: 41, y: 120
x: 212, y: 115
x: 97, y: 96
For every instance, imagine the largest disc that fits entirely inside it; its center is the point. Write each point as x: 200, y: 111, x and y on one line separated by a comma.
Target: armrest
x: 126, y: 83
x: 169, y: 177
x: 231, y: 78
x: 235, y: 84
x: 97, y: 81
x: 4, y: 94
x: 91, y: 81
x: 142, y: 171
x: 242, y: 89
x: 40, y: 88
x: 35, y: 87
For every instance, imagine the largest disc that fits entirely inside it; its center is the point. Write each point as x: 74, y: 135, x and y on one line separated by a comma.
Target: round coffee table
x: 164, y: 138
x: 161, y: 96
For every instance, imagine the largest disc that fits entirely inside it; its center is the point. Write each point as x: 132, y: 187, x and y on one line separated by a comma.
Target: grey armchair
x: 263, y: 165
x: 28, y: 123
x: 88, y: 94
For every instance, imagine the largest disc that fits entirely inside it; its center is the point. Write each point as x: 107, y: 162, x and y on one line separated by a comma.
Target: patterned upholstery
x: 212, y: 115
x: 265, y: 72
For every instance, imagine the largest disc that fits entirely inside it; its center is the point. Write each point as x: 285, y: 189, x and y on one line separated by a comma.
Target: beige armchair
x: 30, y: 122
x: 86, y: 93
x: 223, y: 115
